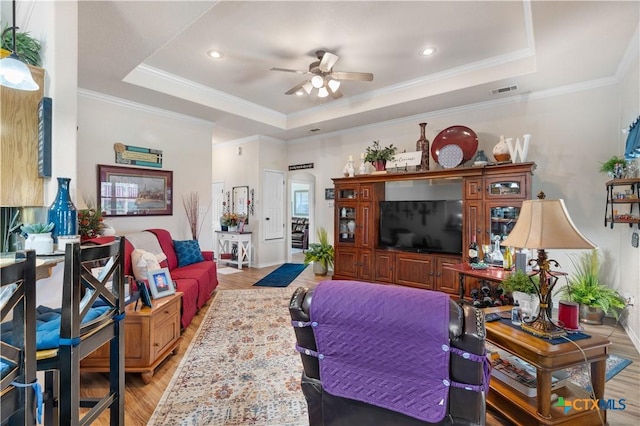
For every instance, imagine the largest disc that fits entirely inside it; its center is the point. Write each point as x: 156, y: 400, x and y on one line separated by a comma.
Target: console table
x: 226, y: 241
x: 547, y: 358
x: 492, y: 274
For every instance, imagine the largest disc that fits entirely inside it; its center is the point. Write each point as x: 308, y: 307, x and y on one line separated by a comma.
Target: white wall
x: 186, y: 150
x: 628, y: 257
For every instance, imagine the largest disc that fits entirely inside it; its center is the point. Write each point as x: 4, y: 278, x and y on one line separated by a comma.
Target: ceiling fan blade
x: 361, y: 76
x: 295, y: 88
x: 327, y: 62
x: 288, y: 70
x: 334, y: 94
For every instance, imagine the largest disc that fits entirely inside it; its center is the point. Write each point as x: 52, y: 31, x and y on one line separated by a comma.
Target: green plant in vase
x: 320, y: 253
x: 27, y: 47
x: 378, y: 155
x: 615, y: 167
x: 584, y: 287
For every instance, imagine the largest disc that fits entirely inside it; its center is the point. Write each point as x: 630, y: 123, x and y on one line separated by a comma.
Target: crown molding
x: 90, y: 94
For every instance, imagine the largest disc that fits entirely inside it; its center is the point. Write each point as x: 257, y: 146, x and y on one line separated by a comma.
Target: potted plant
x: 584, y: 287
x: 27, y: 47
x: 522, y: 287
x: 90, y: 223
x: 320, y: 253
x: 38, y: 237
x: 378, y: 156
x: 614, y: 167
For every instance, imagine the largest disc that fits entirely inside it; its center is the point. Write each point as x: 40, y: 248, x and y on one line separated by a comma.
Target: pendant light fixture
x: 13, y: 72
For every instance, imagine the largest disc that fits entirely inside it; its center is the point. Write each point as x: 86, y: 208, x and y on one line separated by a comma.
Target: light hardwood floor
x: 141, y: 399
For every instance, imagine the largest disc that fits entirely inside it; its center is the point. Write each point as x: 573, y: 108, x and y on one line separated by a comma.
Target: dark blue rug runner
x: 282, y: 276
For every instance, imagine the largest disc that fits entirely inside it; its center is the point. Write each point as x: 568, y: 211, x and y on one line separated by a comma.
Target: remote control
x: 492, y: 317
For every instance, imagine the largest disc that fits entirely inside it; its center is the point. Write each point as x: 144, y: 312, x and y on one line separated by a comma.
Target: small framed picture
x: 329, y: 194
x: 160, y: 283
x: 143, y: 294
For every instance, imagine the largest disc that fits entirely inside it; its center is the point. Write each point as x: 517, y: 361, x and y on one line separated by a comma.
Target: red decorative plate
x: 462, y: 136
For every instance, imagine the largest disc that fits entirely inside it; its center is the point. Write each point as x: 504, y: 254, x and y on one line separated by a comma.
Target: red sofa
x: 197, y: 281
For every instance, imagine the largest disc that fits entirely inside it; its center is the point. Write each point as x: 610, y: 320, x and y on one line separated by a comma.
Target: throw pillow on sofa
x: 188, y: 252
x: 143, y: 261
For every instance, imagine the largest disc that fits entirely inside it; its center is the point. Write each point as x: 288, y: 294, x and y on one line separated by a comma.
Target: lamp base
x: 543, y: 328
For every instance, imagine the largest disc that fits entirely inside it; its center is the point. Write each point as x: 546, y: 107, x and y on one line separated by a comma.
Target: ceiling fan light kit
x: 323, y: 77
x: 13, y: 72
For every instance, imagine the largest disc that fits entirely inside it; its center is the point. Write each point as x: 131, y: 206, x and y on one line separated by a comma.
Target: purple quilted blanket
x: 384, y: 345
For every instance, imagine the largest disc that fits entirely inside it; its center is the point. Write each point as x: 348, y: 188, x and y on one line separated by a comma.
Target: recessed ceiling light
x: 299, y: 93
x: 428, y: 51
x: 215, y: 54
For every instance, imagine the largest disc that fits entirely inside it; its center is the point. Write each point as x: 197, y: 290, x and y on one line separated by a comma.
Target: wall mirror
x: 240, y: 201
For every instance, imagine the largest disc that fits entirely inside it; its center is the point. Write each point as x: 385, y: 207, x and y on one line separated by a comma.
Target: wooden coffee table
x: 547, y: 358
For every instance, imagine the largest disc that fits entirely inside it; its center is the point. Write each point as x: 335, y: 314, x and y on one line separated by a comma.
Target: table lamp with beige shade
x: 545, y: 224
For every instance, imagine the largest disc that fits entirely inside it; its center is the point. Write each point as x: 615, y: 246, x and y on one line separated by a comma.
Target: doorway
x: 301, y: 211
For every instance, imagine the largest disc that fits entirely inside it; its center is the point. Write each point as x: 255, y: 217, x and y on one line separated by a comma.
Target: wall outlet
x: 628, y: 299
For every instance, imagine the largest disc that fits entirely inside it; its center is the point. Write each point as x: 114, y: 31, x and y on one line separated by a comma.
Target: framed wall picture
x: 160, y: 283
x: 241, y: 202
x: 329, y: 193
x: 130, y: 191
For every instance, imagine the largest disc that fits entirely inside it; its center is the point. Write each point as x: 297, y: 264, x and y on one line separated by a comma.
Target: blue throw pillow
x: 188, y: 252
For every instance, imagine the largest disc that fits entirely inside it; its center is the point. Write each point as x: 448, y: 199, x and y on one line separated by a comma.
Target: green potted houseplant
x: 522, y: 287
x: 614, y: 167
x: 378, y: 155
x: 38, y: 237
x: 320, y: 253
x: 584, y: 287
x: 27, y: 47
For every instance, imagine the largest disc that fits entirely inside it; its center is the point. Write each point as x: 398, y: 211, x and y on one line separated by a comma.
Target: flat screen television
x: 427, y: 226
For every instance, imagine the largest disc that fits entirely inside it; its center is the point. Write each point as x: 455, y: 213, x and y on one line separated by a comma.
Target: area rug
x: 282, y: 276
x: 241, y: 367
x: 229, y: 271
x: 580, y: 376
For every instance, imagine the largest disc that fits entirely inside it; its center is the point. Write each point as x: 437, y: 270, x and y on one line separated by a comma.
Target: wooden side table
x: 151, y: 335
x: 547, y: 358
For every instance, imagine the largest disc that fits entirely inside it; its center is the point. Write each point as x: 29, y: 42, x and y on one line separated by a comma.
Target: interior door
x: 274, y: 204
x: 217, y: 198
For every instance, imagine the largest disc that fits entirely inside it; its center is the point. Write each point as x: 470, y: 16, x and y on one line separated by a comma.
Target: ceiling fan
x: 323, y: 78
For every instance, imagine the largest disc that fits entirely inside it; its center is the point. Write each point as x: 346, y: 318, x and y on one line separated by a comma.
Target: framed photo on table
x: 160, y: 283
x: 143, y: 295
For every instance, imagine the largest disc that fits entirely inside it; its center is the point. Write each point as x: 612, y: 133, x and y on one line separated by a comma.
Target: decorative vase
x: 363, y: 168
x: 233, y: 228
x: 319, y: 268
x: 423, y: 145
x: 380, y: 165
x: 351, y: 226
x: 224, y: 228
x: 41, y: 243
x: 501, y: 150
x: 591, y: 315
x: 62, y: 212
x: 480, y: 158
x: 350, y: 170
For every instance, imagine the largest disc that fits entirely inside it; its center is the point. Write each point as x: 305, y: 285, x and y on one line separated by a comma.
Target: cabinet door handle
x: 166, y: 312
x: 156, y: 344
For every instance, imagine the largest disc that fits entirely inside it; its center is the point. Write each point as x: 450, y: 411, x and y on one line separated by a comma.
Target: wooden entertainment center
x: 491, y: 198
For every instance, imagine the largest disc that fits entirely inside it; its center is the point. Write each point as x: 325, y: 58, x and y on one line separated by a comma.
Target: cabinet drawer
x: 166, y: 311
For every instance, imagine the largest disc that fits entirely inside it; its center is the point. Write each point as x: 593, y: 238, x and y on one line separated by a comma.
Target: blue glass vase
x: 62, y: 212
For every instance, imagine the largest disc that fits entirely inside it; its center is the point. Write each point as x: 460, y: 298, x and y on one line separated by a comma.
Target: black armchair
x: 300, y: 232
x: 372, y: 397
